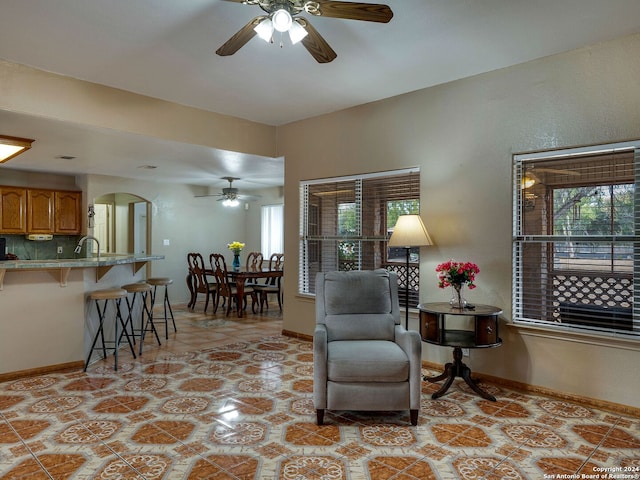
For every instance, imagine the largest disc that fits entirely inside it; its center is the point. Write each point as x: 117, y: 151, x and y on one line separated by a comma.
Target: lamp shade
x: 409, y: 231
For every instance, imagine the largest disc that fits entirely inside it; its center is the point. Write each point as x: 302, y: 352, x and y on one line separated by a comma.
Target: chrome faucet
x: 83, y: 239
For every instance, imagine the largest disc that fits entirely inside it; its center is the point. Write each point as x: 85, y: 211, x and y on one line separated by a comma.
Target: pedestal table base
x: 457, y: 369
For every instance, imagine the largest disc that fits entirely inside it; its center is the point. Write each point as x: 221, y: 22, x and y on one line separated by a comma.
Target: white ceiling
x: 166, y: 49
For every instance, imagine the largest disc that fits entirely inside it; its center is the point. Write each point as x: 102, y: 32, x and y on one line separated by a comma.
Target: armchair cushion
x: 366, y: 361
x: 353, y: 292
x: 360, y: 327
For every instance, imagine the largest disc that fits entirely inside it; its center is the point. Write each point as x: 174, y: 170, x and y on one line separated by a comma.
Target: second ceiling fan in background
x: 282, y: 17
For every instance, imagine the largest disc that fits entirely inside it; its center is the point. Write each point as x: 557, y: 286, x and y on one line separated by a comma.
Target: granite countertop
x: 105, y: 261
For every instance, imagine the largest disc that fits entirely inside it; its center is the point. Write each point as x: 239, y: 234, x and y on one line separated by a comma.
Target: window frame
x: 521, y: 239
x: 312, y: 236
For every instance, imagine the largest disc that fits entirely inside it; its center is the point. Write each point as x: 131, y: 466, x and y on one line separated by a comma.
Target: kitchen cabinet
x: 68, y: 220
x: 40, y: 211
x: 13, y: 210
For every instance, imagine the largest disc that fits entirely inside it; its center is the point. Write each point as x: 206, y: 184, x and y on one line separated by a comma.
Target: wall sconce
x: 13, y: 146
x: 91, y: 212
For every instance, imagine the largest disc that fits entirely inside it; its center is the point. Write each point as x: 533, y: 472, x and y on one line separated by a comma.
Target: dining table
x: 239, y: 277
x: 242, y: 274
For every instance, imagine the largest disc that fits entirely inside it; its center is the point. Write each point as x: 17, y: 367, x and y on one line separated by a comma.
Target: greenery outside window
x: 346, y: 222
x: 575, y: 242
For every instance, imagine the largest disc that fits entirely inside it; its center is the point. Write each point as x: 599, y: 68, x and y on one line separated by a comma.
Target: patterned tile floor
x: 229, y: 398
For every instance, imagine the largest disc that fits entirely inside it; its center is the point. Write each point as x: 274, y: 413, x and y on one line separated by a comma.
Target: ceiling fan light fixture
x: 230, y: 202
x: 281, y: 20
x: 527, y: 182
x: 265, y: 29
x: 297, y: 32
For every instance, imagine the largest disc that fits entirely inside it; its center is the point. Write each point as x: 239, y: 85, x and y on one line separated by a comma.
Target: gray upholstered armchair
x: 363, y: 358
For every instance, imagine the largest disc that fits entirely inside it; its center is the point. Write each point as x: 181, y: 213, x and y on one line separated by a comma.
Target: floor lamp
x: 409, y: 232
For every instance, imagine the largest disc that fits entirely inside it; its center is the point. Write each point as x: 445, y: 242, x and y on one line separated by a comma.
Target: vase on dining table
x: 457, y: 297
x: 236, y: 261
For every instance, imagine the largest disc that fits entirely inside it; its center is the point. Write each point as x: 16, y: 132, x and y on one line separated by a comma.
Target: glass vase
x: 236, y: 261
x: 457, y: 297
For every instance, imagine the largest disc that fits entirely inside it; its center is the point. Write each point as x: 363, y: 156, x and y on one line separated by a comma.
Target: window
x: 575, y: 246
x: 272, y: 230
x: 345, y: 224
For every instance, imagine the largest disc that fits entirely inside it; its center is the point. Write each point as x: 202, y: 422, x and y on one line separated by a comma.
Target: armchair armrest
x: 320, y: 366
x: 411, y: 343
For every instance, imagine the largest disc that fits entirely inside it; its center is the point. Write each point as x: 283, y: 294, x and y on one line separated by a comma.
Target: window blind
x: 575, y: 240
x: 344, y: 221
x: 272, y: 230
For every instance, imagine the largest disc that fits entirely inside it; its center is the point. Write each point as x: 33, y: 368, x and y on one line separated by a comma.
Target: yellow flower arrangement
x: 235, y: 247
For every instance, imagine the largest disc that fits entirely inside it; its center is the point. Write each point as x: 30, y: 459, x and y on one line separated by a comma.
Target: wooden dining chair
x: 273, y: 285
x: 201, y: 282
x: 226, y: 289
x: 254, y: 263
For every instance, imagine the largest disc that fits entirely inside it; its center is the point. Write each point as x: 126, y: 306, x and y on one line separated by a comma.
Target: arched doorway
x: 122, y: 223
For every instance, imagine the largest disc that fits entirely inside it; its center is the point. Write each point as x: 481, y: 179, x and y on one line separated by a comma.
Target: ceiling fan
x: 282, y: 17
x: 530, y: 178
x: 230, y: 196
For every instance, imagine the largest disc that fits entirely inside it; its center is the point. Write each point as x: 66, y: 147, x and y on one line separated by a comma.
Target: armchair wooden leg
x: 320, y: 416
x: 414, y: 416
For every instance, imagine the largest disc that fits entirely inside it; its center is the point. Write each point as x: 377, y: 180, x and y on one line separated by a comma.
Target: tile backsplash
x: 46, y: 249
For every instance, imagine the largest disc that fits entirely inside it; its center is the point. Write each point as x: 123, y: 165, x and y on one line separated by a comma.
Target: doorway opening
x: 122, y: 224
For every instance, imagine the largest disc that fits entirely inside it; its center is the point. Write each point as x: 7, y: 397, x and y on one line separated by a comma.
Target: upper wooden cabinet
x: 40, y: 211
x: 67, y: 213
x: 25, y: 210
x: 13, y: 210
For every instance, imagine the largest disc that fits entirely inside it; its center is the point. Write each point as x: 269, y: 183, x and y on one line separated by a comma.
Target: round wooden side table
x: 433, y: 329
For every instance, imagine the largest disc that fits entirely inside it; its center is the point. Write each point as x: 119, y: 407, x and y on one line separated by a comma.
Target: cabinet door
x: 13, y: 210
x: 40, y: 211
x: 67, y: 213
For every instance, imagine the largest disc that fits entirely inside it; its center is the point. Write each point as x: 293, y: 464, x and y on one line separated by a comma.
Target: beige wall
x: 462, y: 136
x: 35, y: 92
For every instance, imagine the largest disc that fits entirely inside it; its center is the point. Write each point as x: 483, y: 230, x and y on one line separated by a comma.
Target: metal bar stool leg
x: 163, y: 282
x: 124, y: 330
x: 143, y: 289
x: 148, y: 322
x: 116, y: 295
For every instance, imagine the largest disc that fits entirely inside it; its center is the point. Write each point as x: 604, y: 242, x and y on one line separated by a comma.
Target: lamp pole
x: 408, y: 232
x: 406, y: 290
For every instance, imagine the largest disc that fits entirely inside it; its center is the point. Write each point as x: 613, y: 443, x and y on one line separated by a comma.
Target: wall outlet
x: 465, y: 352
x: 59, y: 250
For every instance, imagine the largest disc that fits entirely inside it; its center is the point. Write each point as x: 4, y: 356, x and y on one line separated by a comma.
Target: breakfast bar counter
x: 102, y: 264
x: 46, y: 321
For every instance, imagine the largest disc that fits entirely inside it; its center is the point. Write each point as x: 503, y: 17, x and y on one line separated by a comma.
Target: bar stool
x: 115, y: 295
x: 163, y: 282
x: 142, y: 290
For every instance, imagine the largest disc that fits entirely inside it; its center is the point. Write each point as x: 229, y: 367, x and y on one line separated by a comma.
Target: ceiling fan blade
x: 241, y: 37
x: 558, y: 171
x: 315, y: 44
x: 368, y: 12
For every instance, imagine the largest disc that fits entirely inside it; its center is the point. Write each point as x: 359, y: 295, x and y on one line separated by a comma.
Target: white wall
x: 462, y: 136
